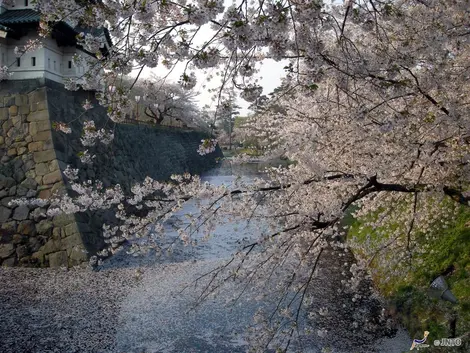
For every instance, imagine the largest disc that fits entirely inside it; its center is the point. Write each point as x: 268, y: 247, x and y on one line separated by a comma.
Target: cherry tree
x: 374, y: 113
x: 158, y: 101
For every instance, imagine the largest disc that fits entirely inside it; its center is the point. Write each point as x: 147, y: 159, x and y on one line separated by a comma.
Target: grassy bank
x: 254, y: 153
x: 447, y: 254
x: 236, y: 151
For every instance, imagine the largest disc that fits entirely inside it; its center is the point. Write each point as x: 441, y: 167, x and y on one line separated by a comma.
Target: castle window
x: 70, y: 64
x: 33, y: 61
x: 26, y: 2
x: 49, y: 63
x: 18, y: 62
x: 55, y: 66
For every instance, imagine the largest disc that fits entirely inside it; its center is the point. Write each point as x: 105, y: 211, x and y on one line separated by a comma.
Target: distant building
x: 19, y: 25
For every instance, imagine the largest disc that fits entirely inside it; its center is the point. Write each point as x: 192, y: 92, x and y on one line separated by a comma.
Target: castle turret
x: 53, y: 58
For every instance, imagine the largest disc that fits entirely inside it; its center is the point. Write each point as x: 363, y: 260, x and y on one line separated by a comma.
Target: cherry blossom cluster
x: 71, y: 84
x: 207, y: 146
x: 246, y: 70
x: 204, y: 11
x: 30, y: 46
x: 58, y: 10
x: 90, y: 42
x: 251, y: 93
x: 160, y: 200
x: 207, y: 59
x: 188, y: 81
x: 4, y: 74
x: 90, y: 135
x: 87, y: 105
x: 373, y: 112
x: 86, y: 157
x: 63, y: 127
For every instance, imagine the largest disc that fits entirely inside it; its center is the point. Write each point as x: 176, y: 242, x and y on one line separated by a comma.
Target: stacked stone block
x: 29, y: 169
x: 33, y: 156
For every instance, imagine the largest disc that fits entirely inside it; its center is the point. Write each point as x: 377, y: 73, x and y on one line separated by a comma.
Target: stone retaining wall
x: 33, y: 155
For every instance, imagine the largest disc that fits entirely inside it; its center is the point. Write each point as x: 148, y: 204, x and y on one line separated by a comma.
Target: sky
x: 270, y: 74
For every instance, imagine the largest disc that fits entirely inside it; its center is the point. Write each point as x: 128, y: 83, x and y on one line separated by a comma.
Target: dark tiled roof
x: 95, y: 32
x: 19, y: 16
x: 12, y: 17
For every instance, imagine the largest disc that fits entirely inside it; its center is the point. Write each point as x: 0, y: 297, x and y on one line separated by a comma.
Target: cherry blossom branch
x: 426, y: 95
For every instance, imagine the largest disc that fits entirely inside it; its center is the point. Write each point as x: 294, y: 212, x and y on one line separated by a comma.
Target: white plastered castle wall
x: 19, y: 5
x: 49, y: 61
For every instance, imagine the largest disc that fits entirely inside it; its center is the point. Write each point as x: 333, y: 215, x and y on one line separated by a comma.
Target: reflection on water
x: 227, y: 237
x: 223, y: 242
x: 226, y: 168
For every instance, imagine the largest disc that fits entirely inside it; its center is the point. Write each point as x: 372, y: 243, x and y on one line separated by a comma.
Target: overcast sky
x: 270, y: 74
